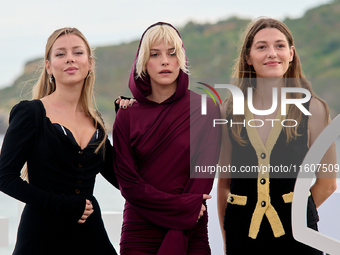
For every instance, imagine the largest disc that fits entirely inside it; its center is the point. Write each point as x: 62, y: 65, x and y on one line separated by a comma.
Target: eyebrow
x: 277, y: 41
x: 62, y: 48
x: 159, y: 50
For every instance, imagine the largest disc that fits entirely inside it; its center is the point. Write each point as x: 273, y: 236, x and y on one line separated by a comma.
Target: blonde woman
x: 64, y: 142
x: 165, y: 209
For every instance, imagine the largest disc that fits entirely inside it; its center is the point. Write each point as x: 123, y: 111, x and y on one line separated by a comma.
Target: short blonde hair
x: 155, y: 35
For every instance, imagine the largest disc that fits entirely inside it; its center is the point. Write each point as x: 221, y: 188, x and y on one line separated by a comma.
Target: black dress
x: 258, y: 215
x: 61, y: 178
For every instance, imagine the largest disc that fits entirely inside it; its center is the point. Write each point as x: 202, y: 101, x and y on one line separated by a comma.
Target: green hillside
x: 211, y: 51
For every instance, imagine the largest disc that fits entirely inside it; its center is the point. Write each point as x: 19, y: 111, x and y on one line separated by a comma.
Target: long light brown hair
x: 244, y: 76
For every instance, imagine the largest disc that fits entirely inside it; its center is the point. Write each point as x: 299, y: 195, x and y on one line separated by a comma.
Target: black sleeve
x: 17, y: 146
x: 107, y: 170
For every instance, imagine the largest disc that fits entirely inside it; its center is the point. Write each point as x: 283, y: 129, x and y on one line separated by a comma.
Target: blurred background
x: 210, y: 29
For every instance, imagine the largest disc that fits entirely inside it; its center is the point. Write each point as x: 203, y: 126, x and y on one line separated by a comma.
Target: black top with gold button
x: 265, y: 225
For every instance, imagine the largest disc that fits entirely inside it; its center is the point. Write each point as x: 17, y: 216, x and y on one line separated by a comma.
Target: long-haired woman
x: 62, y: 138
x: 255, y: 207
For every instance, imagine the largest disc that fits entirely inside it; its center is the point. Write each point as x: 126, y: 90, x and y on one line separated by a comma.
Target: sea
x: 112, y: 203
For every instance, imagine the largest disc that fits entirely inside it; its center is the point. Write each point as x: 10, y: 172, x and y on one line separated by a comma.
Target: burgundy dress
x: 156, y: 148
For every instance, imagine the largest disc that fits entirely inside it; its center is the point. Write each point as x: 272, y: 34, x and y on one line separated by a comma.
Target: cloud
x: 25, y: 25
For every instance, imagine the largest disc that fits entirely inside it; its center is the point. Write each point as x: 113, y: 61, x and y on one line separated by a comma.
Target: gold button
x: 80, y: 165
x: 77, y: 191
x: 80, y: 152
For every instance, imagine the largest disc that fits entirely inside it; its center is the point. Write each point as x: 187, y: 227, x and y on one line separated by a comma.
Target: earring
x: 51, y: 76
x: 88, y: 74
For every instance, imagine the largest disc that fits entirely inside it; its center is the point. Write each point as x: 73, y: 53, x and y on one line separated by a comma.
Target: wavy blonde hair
x: 44, y: 87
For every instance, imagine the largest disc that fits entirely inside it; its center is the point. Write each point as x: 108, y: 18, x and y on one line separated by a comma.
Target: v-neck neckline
x: 73, y: 138
x: 254, y: 136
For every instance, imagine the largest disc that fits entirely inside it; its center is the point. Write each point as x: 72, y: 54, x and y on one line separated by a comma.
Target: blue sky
x: 25, y: 25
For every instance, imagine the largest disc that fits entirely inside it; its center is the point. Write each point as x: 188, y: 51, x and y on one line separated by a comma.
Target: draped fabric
x: 154, y: 155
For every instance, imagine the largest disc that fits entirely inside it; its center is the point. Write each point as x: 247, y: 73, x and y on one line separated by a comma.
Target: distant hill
x: 211, y: 51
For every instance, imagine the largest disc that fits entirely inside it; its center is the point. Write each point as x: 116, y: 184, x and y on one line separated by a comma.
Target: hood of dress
x: 141, y: 88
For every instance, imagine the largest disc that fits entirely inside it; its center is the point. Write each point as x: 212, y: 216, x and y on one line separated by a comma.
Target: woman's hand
x: 87, y: 212
x: 124, y: 103
x: 203, y: 208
